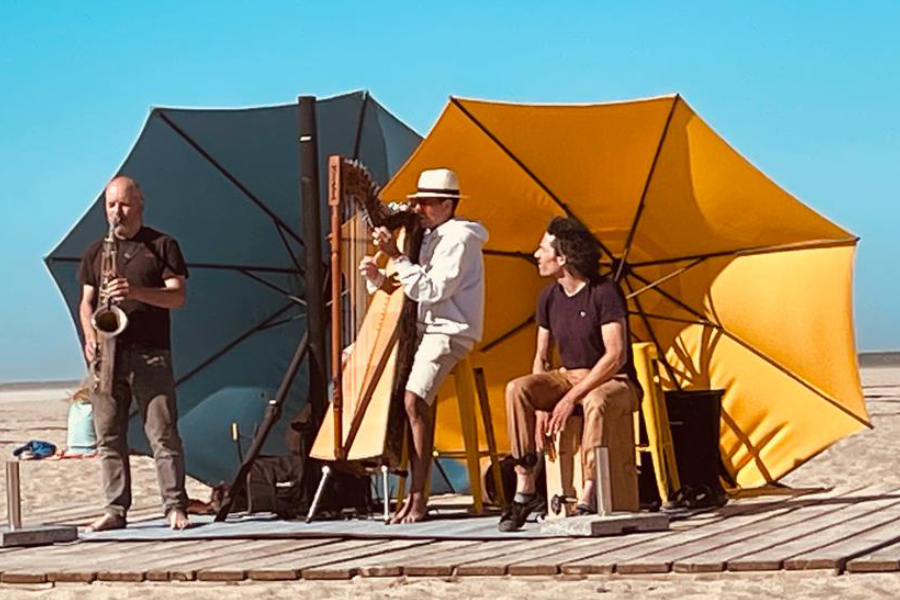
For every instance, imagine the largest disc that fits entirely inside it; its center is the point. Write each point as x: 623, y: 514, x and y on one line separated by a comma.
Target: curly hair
x: 580, y: 248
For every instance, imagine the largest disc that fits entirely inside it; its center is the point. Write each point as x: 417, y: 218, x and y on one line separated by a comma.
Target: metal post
x: 326, y: 472
x: 387, y: 497
x: 312, y: 234
x: 13, y: 499
x: 602, y: 483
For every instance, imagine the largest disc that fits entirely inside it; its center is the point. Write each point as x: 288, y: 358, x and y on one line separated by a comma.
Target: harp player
x: 448, y: 284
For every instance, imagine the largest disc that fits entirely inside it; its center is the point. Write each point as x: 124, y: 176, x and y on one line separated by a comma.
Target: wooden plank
x: 637, y: 557
x: 497, y: 564
x: 448, y: 560
x: 54, y: 559
x: 880, y: 561
x: 134, y: 566
x: 92, y: 562
x: 880, y: 530
x: 813, y: 513
x: 396, y: 563
x: 31, y: 565
x: 551, y: 564
x: 289, y: 565
x: 860, y: 515
x: 185, y: 568
x: 272, y: 551
x: 391, y: 564
x: 349, y: 568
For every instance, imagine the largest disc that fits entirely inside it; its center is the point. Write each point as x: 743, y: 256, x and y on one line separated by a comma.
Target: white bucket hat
x: 437, y: 183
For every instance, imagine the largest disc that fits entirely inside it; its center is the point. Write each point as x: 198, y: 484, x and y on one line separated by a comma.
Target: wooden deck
x: 844, y: 531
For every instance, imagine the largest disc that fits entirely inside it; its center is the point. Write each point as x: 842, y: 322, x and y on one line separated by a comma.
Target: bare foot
x: 177, y: 519
x: 417, y: 509
x: 107, y: 522
x: 401, y: 514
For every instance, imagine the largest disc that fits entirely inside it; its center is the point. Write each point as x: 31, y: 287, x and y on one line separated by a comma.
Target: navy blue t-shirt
x: 575, y: 322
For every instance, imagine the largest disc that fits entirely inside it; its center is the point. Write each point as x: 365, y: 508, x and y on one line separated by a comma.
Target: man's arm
x: 543, y: 348
x: 451, y: 260
x: 85, y: 312
x: 603, y: 370
x: 173, y: 294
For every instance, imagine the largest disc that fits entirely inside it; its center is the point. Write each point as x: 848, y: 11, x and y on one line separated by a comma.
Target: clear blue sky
x: 808, y: 91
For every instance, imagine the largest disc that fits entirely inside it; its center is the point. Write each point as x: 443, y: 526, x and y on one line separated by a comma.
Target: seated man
x: 448, y: 285
x: 586, y: 316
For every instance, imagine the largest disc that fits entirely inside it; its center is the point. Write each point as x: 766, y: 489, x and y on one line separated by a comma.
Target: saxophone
x: 108, y: 319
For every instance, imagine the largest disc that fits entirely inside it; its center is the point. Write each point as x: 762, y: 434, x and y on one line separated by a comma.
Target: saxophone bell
x: 109, y: 321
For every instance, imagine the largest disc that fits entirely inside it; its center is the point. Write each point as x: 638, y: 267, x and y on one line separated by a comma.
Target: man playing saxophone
x: 149, y: 281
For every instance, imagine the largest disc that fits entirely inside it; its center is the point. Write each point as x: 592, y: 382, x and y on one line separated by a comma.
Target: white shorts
x: 436, y: 355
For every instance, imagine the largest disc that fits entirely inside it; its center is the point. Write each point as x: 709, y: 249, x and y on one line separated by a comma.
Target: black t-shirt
x: 145, y: 260
x: 575, y: 322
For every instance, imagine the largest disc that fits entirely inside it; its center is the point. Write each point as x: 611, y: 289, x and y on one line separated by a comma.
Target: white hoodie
x: 448, y: 282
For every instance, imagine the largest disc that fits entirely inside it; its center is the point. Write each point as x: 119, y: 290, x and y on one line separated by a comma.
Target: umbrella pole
x: 273, y: 413
x: 312, y: 234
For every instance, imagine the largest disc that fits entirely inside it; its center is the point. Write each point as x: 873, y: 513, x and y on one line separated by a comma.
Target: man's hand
x: 368, y: 268
x: 541, y: 418
x: 90, y: 350
x: 385, y: 242
x: 119, y: 289
x: 561, y: 413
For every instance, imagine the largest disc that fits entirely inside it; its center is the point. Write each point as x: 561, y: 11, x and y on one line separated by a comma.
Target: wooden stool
x: 565, y: 470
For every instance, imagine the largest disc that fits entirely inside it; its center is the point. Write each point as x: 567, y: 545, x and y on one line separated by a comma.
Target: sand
x: 870, y: 455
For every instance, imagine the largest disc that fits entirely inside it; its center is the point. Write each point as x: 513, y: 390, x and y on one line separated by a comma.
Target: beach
x: 54, y: 486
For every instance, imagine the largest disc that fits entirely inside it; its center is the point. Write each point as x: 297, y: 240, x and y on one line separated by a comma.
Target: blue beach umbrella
x: 225, y: 184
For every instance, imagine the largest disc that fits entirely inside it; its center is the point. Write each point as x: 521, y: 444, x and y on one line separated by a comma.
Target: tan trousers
x: 608, y: 421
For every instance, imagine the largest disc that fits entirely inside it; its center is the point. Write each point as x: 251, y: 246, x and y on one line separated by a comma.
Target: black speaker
x: 694, y: 417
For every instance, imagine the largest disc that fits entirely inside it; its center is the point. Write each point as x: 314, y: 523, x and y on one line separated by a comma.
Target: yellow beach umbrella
x: 740, y: 285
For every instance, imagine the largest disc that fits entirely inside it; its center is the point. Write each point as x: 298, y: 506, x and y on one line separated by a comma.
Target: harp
x: 365, y: 427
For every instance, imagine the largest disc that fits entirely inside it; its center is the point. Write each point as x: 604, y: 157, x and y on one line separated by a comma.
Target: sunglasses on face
x: 430, y: 201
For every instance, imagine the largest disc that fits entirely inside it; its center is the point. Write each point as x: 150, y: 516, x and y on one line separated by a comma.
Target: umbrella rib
x: 650, y: 315
x: 669, y: 297
x: 752, y: 250
x: 281, y: 322
x: 660, y: 352
x: 277, y: 288
x: 734, y: 337
x: 663, y: 279
x: 287, y: 248
x: 227, y: 174
x: 496, y: 342
x: 227, y: 347
x: 620, y: 270
x: 524, y: 167
x: 794, y: 376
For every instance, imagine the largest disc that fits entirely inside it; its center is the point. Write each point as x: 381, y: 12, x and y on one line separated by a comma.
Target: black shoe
x: 516, y: 513
x: 582, y: 509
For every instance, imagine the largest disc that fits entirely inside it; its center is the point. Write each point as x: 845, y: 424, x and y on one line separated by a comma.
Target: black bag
x: 274, y: 485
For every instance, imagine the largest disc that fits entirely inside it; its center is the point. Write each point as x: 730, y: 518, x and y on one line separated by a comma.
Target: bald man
x: 151, y: 282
